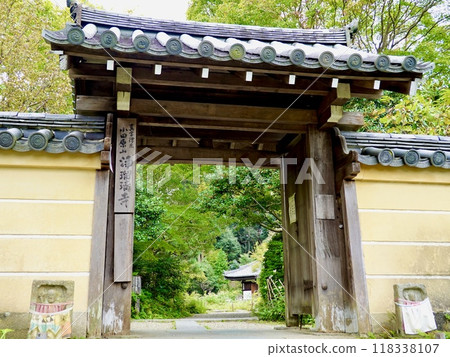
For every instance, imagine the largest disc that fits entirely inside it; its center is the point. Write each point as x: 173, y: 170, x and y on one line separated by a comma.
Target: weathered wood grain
x: 98, y: 249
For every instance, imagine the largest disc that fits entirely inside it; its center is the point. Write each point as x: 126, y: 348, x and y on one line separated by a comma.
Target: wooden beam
x: 220, y: 80
x: 123, y: 101
x: 95, y: 104
x: 330, y: 117
x: 124, y: 79
x: 188, y: 153
x: 217, y: 135
x: 123, y: 88
x: 330, y: 110
x: 212, y: 65
x: 288, y: 142
x: 216, y: 80
x: 236, y: 125
x: 351, y: 121
x: 189, y: 110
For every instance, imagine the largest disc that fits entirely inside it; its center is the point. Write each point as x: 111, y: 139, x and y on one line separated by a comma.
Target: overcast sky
x: 161, y: 9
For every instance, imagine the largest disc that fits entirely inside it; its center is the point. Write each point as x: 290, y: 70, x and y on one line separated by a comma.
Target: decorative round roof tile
x: 205, y: 48
x: 237, y: 51
x: 297, y: 56
x: 411, y: 158
x: 39, y: 140
x: 75, y: 36
x: 268, y: 54
x: 382, y: 63
x: 73, y: 141
x: 438, y: 159
x: 174, y: 46
x: 141, y: 43
x: 108, y: 39
x: 385, y: 157
x: 409, y: 63
x: 355, y: 61
x: 326, y: 59
x: 7, y: 140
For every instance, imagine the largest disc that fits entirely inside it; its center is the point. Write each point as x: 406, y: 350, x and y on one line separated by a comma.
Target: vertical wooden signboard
x: 124, y: 199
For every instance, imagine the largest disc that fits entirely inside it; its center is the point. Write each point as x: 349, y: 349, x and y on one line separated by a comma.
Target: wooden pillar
x: 119, y: 246
x: 359, y: 304
x: 327, y: 244
x: 292, y: 276
x: 98, y: 246
x: 314, y: 250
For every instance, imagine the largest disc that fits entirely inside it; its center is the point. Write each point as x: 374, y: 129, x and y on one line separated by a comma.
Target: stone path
x: 221, y: 326
x: 188, y: 326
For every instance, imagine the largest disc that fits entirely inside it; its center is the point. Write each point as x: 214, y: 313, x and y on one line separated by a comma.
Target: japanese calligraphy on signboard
x: 125, y: 166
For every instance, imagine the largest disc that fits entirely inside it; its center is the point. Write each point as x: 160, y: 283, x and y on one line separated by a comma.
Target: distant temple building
x: 247, y: 274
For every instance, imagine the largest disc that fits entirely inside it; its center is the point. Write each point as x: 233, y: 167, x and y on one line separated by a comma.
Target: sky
x: 161, y: 9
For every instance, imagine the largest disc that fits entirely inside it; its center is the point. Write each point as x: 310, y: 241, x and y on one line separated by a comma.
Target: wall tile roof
x: 221, y: 42
x: 397, y: 150
x: 246, y: 271
x: 52, y: 133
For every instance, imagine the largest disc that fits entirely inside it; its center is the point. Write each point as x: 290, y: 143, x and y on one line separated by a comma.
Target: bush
x: 156, y: 307
x: 272, y: 265
x: 273, y: 310
x: 194, y: 304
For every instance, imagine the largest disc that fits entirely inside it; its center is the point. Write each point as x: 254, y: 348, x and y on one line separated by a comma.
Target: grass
x: 226, y: 301
x: 4, y: 332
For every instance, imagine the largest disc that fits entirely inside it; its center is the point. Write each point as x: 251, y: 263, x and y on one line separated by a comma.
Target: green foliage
x: 246, y: 197
x: 272, y: 265
x: 162, y: 272
x: 157, y: 307
x: 273, y: 310
x: 148, y: 216
x: 4, y: 332
x: 418, y: 28
x: 226, y: 300
x: 30, y: 77
x: 194, y: 304
x: 229, y: 243
x: 212, y: 266
x: 249, y: 237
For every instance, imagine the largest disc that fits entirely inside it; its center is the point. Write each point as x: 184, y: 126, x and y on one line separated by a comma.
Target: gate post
x: 315, y: 262
x: 119, y: 245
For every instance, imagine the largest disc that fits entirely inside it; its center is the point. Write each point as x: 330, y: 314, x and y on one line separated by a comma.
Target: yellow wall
x: 405, y: 226
x: 46, y: 210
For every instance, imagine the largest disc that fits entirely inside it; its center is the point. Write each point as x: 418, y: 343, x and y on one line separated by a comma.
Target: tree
x: 30, y: 77
x: 272, y: 266
x: 396, y: 27
x: 229, y: 243
x: 247, y: 197
x: 249, y: 237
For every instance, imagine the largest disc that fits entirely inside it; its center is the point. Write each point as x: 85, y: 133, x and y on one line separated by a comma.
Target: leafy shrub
x: 273, y: 310
x: 194, y: 304
x: 272, y: 265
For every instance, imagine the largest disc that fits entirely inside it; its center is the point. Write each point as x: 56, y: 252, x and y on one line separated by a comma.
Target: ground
x: 238, y: 325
